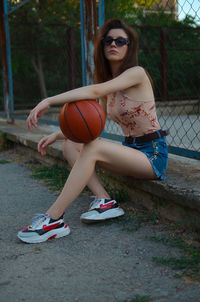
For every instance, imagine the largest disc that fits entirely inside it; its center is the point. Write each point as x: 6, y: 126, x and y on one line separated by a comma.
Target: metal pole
x: 83, y: 43
x: 7, y: 67
x: 88, y: 33
x: 101, y: 13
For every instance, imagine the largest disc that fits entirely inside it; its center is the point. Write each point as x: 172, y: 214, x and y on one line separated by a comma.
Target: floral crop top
x: 136, y: 118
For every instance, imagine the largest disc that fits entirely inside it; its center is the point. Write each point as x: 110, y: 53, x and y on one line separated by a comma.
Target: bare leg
x: 120, y: 159
x: 71, y: 152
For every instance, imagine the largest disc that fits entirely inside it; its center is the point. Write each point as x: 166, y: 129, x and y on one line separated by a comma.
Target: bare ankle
x: 54, y: 215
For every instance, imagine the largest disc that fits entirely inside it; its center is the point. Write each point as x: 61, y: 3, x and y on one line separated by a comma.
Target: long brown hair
x: 102, y: 71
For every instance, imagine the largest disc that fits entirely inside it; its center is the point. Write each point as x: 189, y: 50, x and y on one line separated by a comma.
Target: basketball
x: 82, y: 121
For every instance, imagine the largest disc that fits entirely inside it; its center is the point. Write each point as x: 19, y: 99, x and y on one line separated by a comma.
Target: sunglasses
x: 119, y: 42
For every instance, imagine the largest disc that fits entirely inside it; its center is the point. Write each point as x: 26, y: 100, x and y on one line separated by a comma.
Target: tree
x: 38, y: 29
x: 127, y: 9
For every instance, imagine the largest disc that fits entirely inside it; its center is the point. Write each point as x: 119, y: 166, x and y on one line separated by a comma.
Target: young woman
x: 126, y: 95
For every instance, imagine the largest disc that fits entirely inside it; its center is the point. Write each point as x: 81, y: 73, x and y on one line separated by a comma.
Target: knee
x: 91, y: 148
x: 71, y: 150
x: 67, y: 148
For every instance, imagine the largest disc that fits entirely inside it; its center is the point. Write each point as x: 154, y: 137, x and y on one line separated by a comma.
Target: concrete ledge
x: 177, y: 198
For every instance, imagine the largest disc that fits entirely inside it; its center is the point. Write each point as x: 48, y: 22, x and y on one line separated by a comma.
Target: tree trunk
x: 39, y: 70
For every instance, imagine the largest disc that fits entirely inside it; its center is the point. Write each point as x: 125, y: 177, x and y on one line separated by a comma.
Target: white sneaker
x: 102, y: 209
x: 44, y: 228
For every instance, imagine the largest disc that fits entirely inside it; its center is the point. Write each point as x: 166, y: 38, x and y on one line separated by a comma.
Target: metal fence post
x: 88, y: 33
x: 7, y: 66
x: 88, y: 12
x: 82, y: 43
x: 101, y: 13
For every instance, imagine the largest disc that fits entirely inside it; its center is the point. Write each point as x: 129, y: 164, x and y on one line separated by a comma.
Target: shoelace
x: 96, y: 200
x: 38, y: 218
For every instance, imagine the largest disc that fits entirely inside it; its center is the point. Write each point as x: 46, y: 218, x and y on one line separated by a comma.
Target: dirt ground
x: 115, y: 261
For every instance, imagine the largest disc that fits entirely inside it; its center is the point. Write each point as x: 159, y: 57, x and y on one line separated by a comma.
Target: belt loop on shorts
x: 159, y: 134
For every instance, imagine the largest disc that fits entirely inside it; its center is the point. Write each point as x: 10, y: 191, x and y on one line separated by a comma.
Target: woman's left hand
x: 46, y: 141
x: 36, y: 114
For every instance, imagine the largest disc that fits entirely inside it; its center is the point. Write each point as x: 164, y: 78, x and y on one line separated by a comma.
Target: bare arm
x: 49, y: 140
x: 60, y: 136
x: 129, y: 78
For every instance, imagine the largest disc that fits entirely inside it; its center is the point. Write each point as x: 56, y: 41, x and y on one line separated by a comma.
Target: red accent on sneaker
x: 107, y: 206
x: 54, y: 236
x: 24, y: 230
x: 65, y: 226
x: 50, y: 227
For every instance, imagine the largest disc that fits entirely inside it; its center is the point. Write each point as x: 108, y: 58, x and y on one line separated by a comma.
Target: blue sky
x: 190, y: 7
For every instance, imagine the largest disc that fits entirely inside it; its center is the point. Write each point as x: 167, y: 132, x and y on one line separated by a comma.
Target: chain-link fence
x: 169, y: 50
x: 171, y: 56
x: 46, y: 60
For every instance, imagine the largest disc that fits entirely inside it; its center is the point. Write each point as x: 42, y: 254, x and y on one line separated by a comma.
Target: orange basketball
x: 82, y: 121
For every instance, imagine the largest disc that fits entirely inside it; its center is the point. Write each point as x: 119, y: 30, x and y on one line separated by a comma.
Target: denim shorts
x: 157, y: 153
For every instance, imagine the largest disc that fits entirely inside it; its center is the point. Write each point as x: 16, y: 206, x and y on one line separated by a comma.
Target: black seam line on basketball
x: 70, y: 128
x: 84, y: 121
x: 98, y: 114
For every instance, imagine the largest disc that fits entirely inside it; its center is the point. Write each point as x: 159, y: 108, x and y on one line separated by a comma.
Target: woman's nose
x: 113, y: 43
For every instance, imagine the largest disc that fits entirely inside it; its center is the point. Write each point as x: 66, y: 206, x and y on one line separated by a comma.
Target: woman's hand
x: 36, y: 114
x: 46, y: 141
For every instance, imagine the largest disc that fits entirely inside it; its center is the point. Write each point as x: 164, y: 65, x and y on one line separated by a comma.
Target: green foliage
x: 182, y: 46
x: 54, y: 176
x: 127, y: 9
x: 117, y: 192
x: 139, y: 298
x: 182, y: 53
x: 3, y: 162
x: 39, y: 29
x: 4, y: 143
x: 134, y: 219
x: 188, y: 262
x: 174, y: 242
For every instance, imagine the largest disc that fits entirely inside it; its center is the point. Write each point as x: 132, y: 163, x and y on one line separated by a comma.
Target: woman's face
x: 113, y: 52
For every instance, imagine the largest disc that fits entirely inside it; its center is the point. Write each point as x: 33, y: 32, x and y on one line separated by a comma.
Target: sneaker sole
x: 114, y: 213
x: 50, y: 235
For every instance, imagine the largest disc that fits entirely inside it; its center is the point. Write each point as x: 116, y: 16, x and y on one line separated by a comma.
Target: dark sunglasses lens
x: 120, y: 41
x: 107, y: 41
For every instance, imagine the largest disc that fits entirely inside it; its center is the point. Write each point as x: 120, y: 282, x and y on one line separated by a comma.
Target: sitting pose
x: 126, y: 95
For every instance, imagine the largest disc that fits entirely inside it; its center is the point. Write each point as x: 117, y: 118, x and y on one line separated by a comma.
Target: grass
x: 134, y: 219
x: 138, y: 299
x: 3, y: 141
x: 117, y: 191
x: 188, y: 264
x: 173, y: 242
x: 3, y: 161
x: 53, y: 176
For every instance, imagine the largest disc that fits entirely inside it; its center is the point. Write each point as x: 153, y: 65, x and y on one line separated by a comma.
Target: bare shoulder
x: 142, y: 90
x: 137, y: 71
x: 137, y: 74
x: 132, y: 77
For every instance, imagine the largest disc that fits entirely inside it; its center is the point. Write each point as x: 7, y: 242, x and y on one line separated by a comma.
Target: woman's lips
x: 112, y: 51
